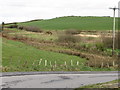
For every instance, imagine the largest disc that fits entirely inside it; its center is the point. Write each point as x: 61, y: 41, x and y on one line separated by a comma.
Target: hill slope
x: 17, y: 56
x: 73, y: 22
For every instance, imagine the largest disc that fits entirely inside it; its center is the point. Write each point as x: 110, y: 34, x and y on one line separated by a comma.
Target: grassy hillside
x: 73, y: 22
x: 17, y: 56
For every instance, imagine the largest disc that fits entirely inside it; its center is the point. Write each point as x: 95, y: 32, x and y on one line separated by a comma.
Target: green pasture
x: 17, y: 56
x: 73, y: 22
x: 20, y: 57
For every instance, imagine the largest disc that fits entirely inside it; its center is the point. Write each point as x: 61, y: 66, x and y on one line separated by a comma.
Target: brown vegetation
x: 107, y: 40
x: 72, y: 32
x: 68, y: 37
x: 48, y: 32
x: 69, y: 46
x: 30, y: 28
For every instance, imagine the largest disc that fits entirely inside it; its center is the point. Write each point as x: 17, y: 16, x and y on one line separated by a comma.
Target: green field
x: 20, y: 57
x: 17, y: 56
x: 22, y: 50
x: 73, y: 22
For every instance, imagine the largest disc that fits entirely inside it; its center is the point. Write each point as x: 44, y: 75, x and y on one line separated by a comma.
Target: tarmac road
x: 55, y: 80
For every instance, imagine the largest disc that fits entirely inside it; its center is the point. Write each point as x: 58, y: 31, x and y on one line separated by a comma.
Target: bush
x: 30, y: 28
x: 68, y: 39
x: 48, y: 32
x: 20, y: 27
x: 100, y: 46
x: 12, y: 26
x: 72, y: 32
x: 102, y: 61
x: 108, y: 41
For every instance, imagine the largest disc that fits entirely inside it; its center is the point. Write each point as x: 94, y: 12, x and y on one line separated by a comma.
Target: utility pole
x: 3, y: 26
x: 113, y: 48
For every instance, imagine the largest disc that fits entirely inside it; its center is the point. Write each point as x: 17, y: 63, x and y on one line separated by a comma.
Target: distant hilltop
x: 53, y: 18
x: 71, y: 22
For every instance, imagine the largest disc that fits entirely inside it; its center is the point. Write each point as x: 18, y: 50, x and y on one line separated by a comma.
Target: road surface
x: 61, y: 80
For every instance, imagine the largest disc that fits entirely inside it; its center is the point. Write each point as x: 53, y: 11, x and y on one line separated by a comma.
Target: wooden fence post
x: 102, y: 65
x: 108, y: 65
x: 40, y: 61
x: 71, y: 63
x: 77, y: 63
x: 65, y: 63
x: 45, y: 62
x: 113, y: 63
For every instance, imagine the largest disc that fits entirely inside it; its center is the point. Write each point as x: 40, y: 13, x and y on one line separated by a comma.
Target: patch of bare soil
x: 87, y: 35
x: 28, y: 32
x: 94, y: 35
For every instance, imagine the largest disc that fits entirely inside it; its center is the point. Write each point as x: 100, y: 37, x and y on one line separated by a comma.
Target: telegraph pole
x: 113, y: 48
x: 3, y: 26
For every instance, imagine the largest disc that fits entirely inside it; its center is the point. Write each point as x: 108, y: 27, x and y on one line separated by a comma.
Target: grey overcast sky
x: 23, y: 10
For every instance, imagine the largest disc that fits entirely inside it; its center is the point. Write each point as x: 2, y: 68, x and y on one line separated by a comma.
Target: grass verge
x: 18, y: 56
x: 111, y: 84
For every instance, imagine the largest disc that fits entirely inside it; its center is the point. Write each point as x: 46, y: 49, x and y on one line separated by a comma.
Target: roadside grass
x: 17, y: 56
x: 73, y: 22
x: 20, y: 57
x: 111, y: 84
x: 95, y: 58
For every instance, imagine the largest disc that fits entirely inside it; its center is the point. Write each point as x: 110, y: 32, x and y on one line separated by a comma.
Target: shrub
x: 108, y: 41
x: 100, y: 46
x: 72, y: 31
x: 68, y: 39
x: 12, y: 26
x: 20, y: 27
x: 30, y: 28
x: 48, y: 32
x: 102, y: 61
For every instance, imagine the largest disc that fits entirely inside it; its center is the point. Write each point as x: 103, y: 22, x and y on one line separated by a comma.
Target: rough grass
x: 17, y: 56
x: 73, y: 22
x: 34, y: 35
x: 94, y: 60
x: 111, y: 84
x: 20, y: 57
